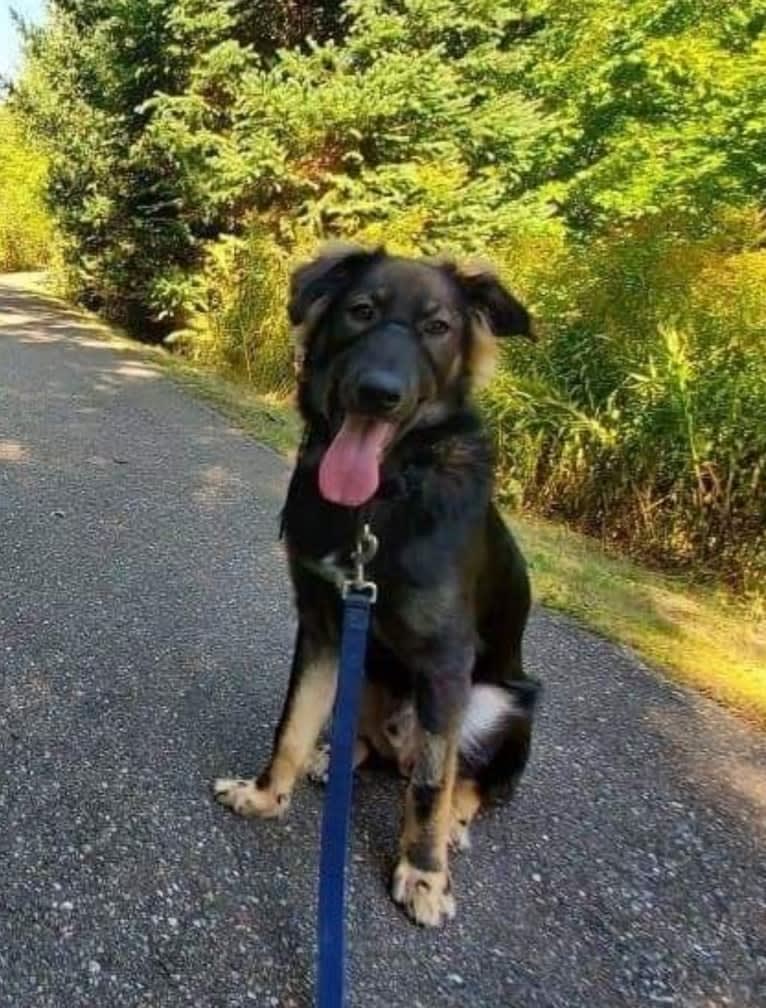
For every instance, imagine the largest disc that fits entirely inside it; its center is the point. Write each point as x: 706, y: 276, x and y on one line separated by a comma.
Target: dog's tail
x: 495, y: 713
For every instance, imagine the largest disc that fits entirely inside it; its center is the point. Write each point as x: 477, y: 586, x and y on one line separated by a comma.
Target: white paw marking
x: 426, y: 896
x: 246, y: 799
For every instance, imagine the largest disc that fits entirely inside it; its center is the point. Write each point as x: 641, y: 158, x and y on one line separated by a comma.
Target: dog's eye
x: 435, y: 327
x: 362, y: 311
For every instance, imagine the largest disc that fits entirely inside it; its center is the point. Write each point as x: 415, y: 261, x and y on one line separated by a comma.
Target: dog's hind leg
x: 317, y: 768
x: 379, y: 715
x: 466, y: 802
x: 310, y: 697
x: 494, y: 744
x: 496, y: 735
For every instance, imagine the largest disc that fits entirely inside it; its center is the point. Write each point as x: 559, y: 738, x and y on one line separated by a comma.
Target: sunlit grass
x: 700, y: 637
x: 270, y: 419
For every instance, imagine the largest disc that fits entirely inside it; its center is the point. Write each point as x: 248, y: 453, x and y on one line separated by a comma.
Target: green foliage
x: 610, y: 157
x: 25, y: 227
x: 640, y: 418
x: 241, y: 326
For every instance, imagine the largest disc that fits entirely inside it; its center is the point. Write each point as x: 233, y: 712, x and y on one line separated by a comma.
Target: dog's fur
x: 446, y: 698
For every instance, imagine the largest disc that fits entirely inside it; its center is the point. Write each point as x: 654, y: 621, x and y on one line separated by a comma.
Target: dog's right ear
x: 316, y: 284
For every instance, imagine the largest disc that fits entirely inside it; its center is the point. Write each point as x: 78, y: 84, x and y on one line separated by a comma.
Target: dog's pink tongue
x: 349, y: 473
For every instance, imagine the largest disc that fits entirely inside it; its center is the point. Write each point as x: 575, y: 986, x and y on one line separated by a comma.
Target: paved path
x: 145, y: 629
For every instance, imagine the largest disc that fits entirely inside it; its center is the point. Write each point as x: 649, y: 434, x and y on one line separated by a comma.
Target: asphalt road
x: 145, y: 630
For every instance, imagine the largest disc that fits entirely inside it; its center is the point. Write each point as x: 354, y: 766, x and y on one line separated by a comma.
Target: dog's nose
x: 379, y: 392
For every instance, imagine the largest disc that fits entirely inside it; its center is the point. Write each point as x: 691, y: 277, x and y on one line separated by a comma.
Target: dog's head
x: 386, y: 344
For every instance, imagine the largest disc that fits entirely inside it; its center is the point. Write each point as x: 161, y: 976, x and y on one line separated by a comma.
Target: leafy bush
x: 25, y: 226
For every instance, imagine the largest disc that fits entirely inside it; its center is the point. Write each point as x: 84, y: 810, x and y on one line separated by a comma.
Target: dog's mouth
x: 349, y: 473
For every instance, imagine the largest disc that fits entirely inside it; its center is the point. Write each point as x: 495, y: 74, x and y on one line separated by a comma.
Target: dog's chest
x: 333, y: 568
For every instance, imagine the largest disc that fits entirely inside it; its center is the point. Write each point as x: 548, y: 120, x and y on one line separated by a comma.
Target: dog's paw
x: 318, y: 766
x: 246, y: 799
x: 459, y: 840
x: 425, y: 895
x: 317, y: 769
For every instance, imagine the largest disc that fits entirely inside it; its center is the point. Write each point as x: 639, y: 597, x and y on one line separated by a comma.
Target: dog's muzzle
x: 376, y: 392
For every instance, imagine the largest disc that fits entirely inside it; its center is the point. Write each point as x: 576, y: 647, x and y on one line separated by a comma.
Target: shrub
x: 26, y: 232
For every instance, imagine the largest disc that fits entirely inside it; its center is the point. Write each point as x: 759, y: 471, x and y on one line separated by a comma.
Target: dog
x: 390, y: 350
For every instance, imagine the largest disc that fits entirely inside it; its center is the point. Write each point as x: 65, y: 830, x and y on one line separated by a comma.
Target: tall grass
x: 642, y: 416
x: 241, y: 323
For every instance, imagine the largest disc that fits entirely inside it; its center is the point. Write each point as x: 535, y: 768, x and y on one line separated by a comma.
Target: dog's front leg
x: 310, y: 696
x: 421, y: 879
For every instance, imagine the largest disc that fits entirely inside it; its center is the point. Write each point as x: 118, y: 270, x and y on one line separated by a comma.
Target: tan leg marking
x: 466, y: 802
x: 269, y: 795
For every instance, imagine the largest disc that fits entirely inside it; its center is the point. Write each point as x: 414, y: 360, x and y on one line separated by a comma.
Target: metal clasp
x: 364, y: 552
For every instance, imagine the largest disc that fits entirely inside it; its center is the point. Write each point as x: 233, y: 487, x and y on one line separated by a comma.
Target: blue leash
x: 358, y: 597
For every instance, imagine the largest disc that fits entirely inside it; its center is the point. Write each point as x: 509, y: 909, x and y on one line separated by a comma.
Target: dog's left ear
x: 488, y: 298
x: 314, y: 285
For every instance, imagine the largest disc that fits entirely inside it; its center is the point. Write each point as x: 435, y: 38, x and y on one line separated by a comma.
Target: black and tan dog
x: 391, y: 349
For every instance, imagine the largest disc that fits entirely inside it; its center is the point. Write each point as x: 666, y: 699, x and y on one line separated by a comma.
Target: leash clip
x: 364, y: 552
